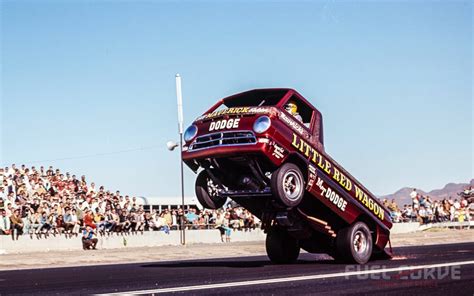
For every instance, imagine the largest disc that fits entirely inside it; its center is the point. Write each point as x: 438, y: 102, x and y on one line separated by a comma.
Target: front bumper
x: 226, y: 151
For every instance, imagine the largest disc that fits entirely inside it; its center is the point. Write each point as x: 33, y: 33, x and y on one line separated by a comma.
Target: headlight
x: 262, y: 124
x: 190, y: 133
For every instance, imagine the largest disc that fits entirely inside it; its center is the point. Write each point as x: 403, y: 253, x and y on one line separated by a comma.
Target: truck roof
x: 256, y: 93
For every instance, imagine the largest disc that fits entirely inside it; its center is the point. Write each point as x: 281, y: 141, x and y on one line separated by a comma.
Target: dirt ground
x: 196, y: 251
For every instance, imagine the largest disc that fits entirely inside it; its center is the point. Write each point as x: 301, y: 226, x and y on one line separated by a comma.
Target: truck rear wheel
x: 207, y: 192
x: 281, y: 247
x: 288, y: 185
x: 354, y: 243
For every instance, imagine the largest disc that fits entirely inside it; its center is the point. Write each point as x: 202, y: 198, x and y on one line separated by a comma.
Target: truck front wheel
x: 207, y: 192
x: 288, y: 185
x: 281, y: 247
x: 354, y: 243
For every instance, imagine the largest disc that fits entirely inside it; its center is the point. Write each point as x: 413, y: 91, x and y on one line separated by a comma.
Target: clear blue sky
x: 393, y: 81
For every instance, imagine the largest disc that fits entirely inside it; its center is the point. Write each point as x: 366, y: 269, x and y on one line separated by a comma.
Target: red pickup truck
x: 264, y: 149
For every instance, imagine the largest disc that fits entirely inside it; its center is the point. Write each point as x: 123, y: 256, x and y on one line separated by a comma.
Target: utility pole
x: 179, y: 98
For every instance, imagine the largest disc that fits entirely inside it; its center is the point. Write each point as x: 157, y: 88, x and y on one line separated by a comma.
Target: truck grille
x: 223, y: 139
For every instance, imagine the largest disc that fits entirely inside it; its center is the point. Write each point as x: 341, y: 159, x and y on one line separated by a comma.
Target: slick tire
x: 287, y: 185
x: 281, y: 247
x: 206, y: 192
x: 354, y: 244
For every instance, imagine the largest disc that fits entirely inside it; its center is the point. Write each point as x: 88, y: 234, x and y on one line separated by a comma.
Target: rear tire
x: 354, y: 243
x: 206, y: 192
x: 287, y: 185
x: 281, y: 247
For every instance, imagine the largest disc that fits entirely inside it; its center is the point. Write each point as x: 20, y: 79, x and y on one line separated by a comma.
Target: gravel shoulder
x: 196, y: 251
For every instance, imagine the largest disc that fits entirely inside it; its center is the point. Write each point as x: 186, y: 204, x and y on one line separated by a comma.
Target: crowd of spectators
x: 424, y: 209
x: 41, y: 202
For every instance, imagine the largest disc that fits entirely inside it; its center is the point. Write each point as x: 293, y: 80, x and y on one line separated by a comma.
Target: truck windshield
x: 254, y: 98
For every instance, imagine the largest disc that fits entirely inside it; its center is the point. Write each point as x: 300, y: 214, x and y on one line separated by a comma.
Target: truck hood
x: 236, y: 112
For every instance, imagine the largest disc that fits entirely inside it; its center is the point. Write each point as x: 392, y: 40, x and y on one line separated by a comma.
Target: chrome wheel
x: 360, y: 242
x: 207, y: 192
x: 292, y: 185
x: 354, y: 243
x: 212, y: 188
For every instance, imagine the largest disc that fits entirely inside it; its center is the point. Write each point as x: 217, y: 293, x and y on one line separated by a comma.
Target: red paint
x: 295, y: 140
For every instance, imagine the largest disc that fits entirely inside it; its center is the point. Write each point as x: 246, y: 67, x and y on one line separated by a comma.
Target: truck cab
x: 265, y: 150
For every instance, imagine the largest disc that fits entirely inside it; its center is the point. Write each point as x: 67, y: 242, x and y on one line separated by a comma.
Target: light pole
x: 179, y: 98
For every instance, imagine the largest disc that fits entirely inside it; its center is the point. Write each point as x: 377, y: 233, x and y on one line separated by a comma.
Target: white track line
x: 287, y: 279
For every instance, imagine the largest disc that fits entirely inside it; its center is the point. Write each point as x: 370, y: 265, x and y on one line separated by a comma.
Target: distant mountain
x: 402, y: 196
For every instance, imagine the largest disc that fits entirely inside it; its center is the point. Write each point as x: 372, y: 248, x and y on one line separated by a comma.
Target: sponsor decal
x: 235, y: 111
x: 326, y: 166
x: 292, y: 123
x: 224, y: 124
x: 311, y: 176
x: 278, y: 151
x: 331, y: 195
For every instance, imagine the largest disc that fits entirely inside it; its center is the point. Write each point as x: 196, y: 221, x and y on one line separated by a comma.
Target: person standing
x: 226, y: 226
x: 220, y: 225
x: 414, y: 196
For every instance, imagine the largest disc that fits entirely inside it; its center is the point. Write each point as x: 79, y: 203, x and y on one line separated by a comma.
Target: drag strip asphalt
x: 433, y: 270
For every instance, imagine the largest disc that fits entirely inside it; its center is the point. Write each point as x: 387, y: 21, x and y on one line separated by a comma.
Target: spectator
x: 191, y: 216
x: 220, y: 225
x: 89, y: 219
x: 35, y: 223
x: 45, y: 224
x: 249, y: 221
x: 423, y: 215
x: 168, y: 218
x: 109, y: 221
x: 5, y: 228
x: 124, y: 221
x: 68, y: 222
x: 140, y: 221
x: 59, y: 225
x: 89, y: 239
x: 76, y: 221
x: 174, y: 220
x: 226, y: 226
x: 116, y: 220
x: 181, y: 219
x: 234, y: 219
x: 394, y: 210
x: 16, y: 224
x: 161, y: 223
x: 99, y: 220
x: 413, y: 194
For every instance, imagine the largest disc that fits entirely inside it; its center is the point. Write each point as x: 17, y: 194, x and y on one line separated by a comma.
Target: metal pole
x: 182, y: 188
x: 179, y: 98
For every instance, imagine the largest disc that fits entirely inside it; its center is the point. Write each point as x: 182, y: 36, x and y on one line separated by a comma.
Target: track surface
x: 123, y: 278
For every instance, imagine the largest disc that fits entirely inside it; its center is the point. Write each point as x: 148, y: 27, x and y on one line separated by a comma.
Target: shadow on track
x: 236, y: 263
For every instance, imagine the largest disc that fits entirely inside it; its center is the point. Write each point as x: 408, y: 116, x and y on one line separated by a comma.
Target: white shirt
x: 456, y: 205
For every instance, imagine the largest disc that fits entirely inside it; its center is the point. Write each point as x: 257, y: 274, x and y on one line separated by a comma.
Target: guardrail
x: 456, y: 225
x: 147, y: 239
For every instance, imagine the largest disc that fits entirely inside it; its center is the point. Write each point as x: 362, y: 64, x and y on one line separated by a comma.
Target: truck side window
x: 299, y: 110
